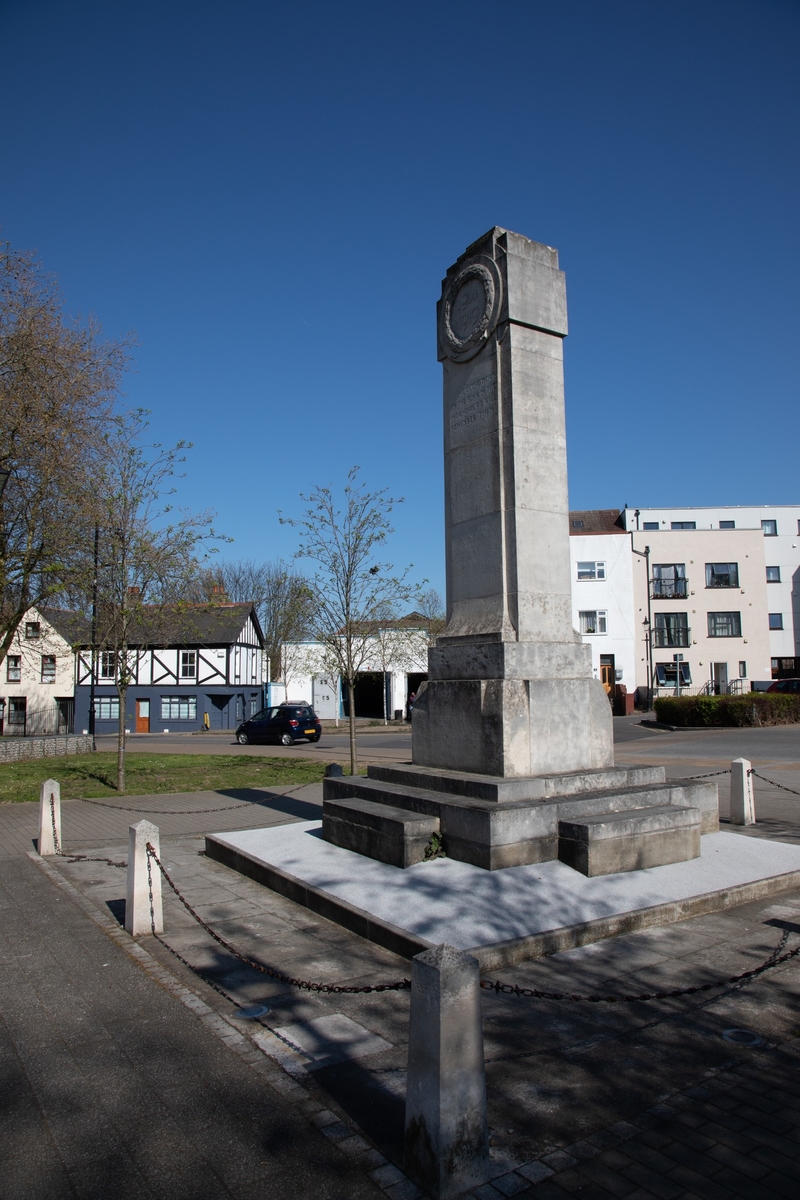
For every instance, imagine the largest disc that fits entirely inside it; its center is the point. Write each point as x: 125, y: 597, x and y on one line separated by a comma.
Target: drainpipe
x: 645, y: 554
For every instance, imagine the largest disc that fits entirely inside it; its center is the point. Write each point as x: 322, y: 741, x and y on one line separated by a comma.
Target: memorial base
x: 498, y: 823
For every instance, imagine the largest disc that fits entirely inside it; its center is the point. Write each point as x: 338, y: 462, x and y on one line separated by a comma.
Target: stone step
x: 494, y: 835
x: 391, y: 835
x: 532, y: 787
x: 630, y: 839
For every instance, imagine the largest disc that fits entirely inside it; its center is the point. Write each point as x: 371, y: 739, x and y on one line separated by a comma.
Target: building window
x: 48, y: 668
x: 14, y: 668
x: 727, y: 524
x: 577, y: 524
x: 108, y: 662
x: 178, y: 708
x: 773, y: 574
x: 591, y: 570
x: 188, y: 664
x: 683, y: 525
x: 106, y: 708
x: 776, y: 620
x: 650, y: 526
x: 17, y: 710
x: 33, y: 629
x: 669, y: 581
x: 724, y: 624
x: 671, y: 629
x: 667, y: 674
x: 770, y: 528
x: 722, y: 575
x: 742, y: 669
x: 593, y: 622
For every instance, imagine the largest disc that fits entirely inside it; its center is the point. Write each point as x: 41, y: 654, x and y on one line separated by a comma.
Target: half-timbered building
x: 205, y: 668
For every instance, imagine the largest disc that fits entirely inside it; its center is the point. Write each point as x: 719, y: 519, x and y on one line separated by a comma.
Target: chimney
x: 134, y: 591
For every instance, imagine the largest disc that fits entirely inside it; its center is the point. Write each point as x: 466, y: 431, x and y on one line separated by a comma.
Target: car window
x: 275, y: 713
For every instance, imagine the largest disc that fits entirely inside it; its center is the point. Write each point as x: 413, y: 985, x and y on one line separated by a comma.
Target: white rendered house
x: 602, y: 594
x: 37, y: 676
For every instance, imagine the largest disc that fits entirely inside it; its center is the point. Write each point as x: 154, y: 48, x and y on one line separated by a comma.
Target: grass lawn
x: 94, y: 775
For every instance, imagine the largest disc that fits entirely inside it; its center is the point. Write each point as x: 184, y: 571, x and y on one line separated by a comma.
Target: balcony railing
x: 669, y: 589
x: 665, y: 638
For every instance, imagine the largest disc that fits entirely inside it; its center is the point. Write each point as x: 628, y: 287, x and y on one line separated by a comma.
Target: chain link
x: 507, y: 989
x: 187, y: 812
x: 74, y: 857
x: 708, y: 775
x: 396, y: 986
x: 773, y: 783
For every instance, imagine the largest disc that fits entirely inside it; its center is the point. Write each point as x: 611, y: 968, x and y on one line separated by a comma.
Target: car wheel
x: 287, y: 739
x: 242, y: 739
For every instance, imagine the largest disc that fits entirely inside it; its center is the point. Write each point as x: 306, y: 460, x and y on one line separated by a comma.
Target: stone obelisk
x: 510, y: 690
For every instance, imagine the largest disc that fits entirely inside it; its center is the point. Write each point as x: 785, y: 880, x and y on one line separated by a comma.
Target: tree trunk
x: 351, y: 697
x: 123, y: 696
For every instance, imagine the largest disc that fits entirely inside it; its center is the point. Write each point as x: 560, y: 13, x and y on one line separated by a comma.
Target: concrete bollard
x: 49, y: 815
x: 446, y: 1134
x: 137, y: 897
x: 743, y: 804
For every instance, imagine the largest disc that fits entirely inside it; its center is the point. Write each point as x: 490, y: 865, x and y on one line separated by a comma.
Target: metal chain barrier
x: 708, y: 775
x: 773, y: 783
x: 507, y: 989
x: 75, y: 857
x: 396, y: 986
x: 187, y: 812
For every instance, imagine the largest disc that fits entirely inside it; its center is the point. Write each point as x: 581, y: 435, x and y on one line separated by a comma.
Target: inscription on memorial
x: 473, y: 406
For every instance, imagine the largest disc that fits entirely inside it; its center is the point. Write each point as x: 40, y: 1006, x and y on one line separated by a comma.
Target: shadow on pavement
x: 290, y: 805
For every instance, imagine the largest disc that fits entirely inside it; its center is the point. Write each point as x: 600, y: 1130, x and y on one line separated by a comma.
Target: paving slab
x: 504, y: 916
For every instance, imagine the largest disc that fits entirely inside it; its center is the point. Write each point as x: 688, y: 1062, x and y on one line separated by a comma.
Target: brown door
x: 142, y: 716
x: 607, y: 673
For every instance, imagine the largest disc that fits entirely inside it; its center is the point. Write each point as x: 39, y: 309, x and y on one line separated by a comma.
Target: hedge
x: 753, y: 708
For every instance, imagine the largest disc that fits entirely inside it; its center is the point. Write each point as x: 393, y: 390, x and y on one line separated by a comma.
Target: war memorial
x: 547, y: 844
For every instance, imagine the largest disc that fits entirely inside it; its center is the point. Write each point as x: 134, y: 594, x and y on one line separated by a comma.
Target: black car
x: 287, y: 724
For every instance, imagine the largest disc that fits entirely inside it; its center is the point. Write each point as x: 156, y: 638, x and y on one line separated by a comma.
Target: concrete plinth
x: 391, y: 835
x: 446, y: 1129
x: 629, y: 840
x: 500, y: 917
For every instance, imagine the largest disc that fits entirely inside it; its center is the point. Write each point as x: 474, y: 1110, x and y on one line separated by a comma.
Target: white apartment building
x: 707, y: 603
x: 779, y: 525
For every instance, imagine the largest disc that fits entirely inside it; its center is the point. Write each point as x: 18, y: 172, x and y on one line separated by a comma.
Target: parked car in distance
x: 287, y: 724
x: 784, y: 685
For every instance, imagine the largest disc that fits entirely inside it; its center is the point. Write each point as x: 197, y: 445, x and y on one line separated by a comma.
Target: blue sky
x: 270, y: 194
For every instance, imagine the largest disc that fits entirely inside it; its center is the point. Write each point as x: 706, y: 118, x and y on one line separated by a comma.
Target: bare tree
x: 350, y: 586
x: 283, y: 600
x: 58, y: 385
x: 147, y: 557
x: 431, y: 606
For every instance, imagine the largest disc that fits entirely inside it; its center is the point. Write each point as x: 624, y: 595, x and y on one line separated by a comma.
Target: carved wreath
x: 462, y: 346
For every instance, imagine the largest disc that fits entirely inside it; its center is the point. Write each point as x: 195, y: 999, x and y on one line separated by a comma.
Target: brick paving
x: 638, y: 1100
